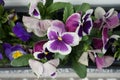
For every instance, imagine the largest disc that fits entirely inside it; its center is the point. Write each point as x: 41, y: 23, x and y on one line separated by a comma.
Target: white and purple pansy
x: 86, y: 25
x: 13, y: 52
x: 33, y: 10
x: 109, y: 20
x: 40, y: 52
x: 44, y: 69
x: 60, y: 41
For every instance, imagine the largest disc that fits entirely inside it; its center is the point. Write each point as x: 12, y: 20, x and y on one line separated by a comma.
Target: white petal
x: 115, y: 37
x: 54, y: 62
x: 110, y: 12
x: 84, y: 58
x: 99, y: 12
x: 35, y: 54
x: 36, y: 67
x: 48, y: 69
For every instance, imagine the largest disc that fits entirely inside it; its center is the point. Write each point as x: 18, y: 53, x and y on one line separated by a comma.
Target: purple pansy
x: 13, y: 52
x: 20, y: 32
x: 83, y: 27
x: 1, y: 57
x: 33, y: 10
x: 109, y: 20
x: 104, y: 43
x: 60, y: 41
x: 40, y: 52
x: 2, y: 2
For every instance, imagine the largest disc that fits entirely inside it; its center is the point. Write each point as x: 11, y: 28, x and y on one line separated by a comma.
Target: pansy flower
x: 20, y: 32
x: 109, y: 20
x: 40, y: 52
x: 2, y: 2
x: 13, y: 52
x: 33, y: 9
x: 81, y: 26
x: 38, y: 27
x: 60, y: 41
x: 44, y: 69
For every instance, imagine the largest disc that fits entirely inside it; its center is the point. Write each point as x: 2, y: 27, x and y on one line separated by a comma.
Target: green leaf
x: 2, y: 33
x: 80, y: 69
x: 57, y: 55
x: 67, y: 11
x: 56, y: 6
x: 77, y: 8
x: 1, y: 10
x: 85, y: 7
x: 21, y: 61
x: 4, y: 18
x: 48, y: 3
x: 41, y: 8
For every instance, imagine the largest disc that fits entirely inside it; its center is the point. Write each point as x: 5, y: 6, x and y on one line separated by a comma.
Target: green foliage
x: 67, y: 11
x: 21, y: 61
x: 80, y: 69
x: 77, y: 8
x: 48, y: 3
x: 1, y: 10
x: 56, y: 6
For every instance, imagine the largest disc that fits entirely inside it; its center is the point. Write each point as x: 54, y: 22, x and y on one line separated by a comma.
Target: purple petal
x: 58, y: 26
x: 73, y: 22
x: 112, y: 22
x: 6, y: 45
x: 108, y: 61
x: 38, y: 47
x: 87, y: 26
x: 49, y: 56
x: 80, y: 31
x: 39, y: 55
x: 1, y: 57
x: 35, y: 13
x: 57, y: 46
x: 97, y: 43
x: 104, y: 38
x: 52, y: 34
x: 99, y: 62
x: 20, y: 32
x: 98, y: 23
x: 2, y: 2
x: 70, y: 38
x: 109, y: 13
x: 119, y: 15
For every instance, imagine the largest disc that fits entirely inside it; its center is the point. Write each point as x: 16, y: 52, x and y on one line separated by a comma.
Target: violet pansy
x: 40, y: 52
x: 20, y: 32
x: 60, y: 41
x: 109, y: 20
x: 38, y: 27
x: 13, y: 52
x: 44, y: 69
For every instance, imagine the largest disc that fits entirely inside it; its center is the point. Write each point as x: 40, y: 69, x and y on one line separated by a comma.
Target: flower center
x: 16, y: 54
x: 46, y: 53
x: 59, y: 38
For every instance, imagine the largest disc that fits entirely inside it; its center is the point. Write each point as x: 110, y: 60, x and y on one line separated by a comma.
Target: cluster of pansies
x: 44, y: 41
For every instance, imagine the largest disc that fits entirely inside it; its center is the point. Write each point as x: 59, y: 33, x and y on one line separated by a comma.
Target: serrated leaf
x: 21, y: 61
x: 56, y: 6
x: 80, y: 69
x: 67, y: 11
x: 48, y: 3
